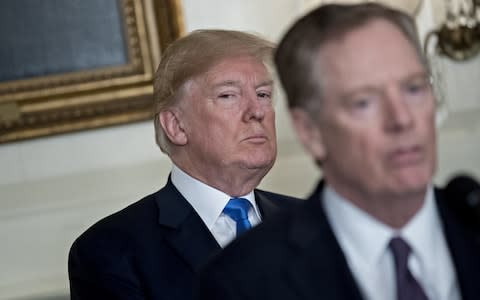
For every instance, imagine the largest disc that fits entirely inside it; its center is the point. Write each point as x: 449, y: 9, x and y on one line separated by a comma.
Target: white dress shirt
x: 209, y: 203
x: 364, y: 241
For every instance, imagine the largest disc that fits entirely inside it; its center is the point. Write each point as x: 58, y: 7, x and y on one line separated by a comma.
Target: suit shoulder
x: 462, y: 210
x: 281, y: 198
x: 128, y: 217
x: 118, y: 229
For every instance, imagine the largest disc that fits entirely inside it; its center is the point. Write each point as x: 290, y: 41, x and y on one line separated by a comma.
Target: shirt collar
x: 369, y: 237
x: 425, y: 236
x: 364, y: 240
x: 207, y: 201
x: 360, y: 235
x: 422, y: 231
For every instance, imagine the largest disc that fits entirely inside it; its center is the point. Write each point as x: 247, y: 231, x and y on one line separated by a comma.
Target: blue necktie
x: 237, y: 209
x: 407, y: 287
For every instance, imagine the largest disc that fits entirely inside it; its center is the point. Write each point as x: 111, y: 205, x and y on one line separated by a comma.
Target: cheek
x: 426, y: 127
x: 211, y: 134
x: 270, y: 123
x: 222, y: 135
x: 363, y: 154
x: 226, y: 134
x: 431, y: 140
x: 268, y: 112
x: 352, y: 142
x: 365, y: 149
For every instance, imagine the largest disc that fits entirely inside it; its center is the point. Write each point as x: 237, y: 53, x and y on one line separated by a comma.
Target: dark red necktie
x: 408, y: 287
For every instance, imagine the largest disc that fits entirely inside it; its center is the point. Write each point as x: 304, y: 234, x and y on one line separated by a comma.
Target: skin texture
x: 223, y: 128
x: 374, y: 133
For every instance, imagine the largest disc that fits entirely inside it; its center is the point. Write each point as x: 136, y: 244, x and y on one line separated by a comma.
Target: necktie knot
x: 237, y: 209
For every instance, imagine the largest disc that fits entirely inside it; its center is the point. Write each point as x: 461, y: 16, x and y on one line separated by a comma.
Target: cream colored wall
x: 51, y: 189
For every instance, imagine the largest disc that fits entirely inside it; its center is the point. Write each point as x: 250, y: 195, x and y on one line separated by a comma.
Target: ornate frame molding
x: 61, y: 103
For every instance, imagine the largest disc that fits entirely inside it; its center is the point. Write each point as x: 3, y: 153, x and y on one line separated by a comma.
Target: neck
x: 396, y: 214
x: 235, y: 183
x: 393, y: 210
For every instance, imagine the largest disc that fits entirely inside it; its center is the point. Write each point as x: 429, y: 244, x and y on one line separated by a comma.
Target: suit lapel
x: 266, y: 206
x: 183, y: 228
x: 319, y: 268
x: 464, y: 244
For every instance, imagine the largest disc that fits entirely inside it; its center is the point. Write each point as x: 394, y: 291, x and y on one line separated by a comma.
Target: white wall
x: 52, y: 188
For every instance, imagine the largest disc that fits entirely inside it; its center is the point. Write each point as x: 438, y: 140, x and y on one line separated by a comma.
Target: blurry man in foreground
x: 361, y: 102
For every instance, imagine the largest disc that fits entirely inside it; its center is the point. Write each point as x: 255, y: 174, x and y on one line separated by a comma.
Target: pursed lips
x: 406, y: 155
x: 256, y: 138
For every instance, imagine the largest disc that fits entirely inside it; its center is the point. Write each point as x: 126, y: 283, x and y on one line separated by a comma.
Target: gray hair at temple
x: 295, y: 54
x: 193, y: 55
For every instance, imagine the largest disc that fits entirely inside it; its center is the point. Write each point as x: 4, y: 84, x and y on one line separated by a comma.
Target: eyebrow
x: 268, y: 82
x: 349, y: 95
x: 376, y: 89
x: 417, y: 75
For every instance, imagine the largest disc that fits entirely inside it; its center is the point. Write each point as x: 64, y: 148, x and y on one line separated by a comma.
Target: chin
x: 259, y: 158
x: 413, y: 185
x: 265, y: 164
x: 421, y: 174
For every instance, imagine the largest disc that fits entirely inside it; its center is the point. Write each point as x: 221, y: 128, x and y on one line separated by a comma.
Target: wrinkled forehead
x: 233, y: 71
x: 236, y: 68
x: 377, y: 50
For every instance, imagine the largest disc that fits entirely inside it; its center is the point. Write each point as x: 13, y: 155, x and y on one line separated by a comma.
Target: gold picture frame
x: 90, y: 98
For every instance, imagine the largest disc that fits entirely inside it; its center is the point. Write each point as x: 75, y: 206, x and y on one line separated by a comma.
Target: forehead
x: 236, y: 68
x: 375, y: 53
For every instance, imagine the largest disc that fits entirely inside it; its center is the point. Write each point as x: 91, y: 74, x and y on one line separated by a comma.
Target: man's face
x: 377, y: 120
x: 228, y: 118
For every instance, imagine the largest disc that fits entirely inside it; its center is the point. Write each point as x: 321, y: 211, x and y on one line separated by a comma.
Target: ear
x: 308, y: 133
x: 172, y: 126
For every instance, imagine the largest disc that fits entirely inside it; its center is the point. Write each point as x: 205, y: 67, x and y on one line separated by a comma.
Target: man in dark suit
x: 215, y: 120
x: 359, y: 94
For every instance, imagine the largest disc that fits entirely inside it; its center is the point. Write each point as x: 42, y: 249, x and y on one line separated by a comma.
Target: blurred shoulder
x: 460, y: 209
x: 279, y: 197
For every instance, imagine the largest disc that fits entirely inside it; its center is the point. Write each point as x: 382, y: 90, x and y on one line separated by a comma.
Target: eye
x: 226, y: 96
x: 264, y: 95
x: 361, y: 103
x: 416, y: 86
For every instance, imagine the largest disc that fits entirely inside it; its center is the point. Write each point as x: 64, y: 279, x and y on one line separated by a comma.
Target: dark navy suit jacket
x: 300, y: 258
x: 150, y: 250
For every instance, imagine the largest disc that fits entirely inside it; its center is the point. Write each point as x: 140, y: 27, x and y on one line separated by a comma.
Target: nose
x: 399, y: 116
x: 254, y: 108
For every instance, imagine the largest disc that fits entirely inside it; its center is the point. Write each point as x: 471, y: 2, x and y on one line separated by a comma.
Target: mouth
x: 406, y: 156
x: 256, y: 139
